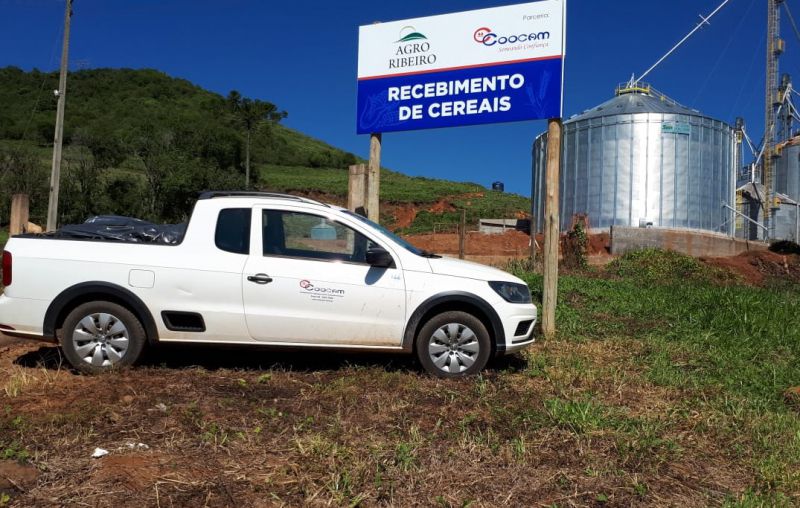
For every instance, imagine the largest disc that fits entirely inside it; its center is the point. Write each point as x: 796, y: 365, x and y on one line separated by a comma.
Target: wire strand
x: 722, y: 54
x: 685, y: 38
x: 59, y: 34
x: 791, y: 20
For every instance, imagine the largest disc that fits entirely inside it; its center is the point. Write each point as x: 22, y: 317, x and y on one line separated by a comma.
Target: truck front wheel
x: 99, y: 336
x: 453, y: 344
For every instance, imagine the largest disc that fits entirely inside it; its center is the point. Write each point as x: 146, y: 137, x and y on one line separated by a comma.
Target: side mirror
x: 379, y: 258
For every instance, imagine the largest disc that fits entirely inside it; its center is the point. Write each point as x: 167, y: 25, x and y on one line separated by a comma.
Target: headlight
x: 511, y: 292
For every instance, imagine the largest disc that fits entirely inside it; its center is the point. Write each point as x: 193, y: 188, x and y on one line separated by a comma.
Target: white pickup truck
x: 262, y: 269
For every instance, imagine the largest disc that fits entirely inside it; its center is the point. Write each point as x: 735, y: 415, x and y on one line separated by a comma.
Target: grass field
x: 397, y: 188
x: 664, y: 387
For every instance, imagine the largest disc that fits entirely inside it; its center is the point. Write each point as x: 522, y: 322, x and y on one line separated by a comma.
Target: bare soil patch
x: 512, y: 243
x: 598, y: 244
x: 403, y: 215
x: 16, y: 478
x: 757, y: 267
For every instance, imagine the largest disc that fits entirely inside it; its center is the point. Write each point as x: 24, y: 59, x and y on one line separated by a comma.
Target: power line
x: 44, y: 81
x: 791, y: 19
x: 746, y: 81
x: 722, y: 54
x: 704, y: 21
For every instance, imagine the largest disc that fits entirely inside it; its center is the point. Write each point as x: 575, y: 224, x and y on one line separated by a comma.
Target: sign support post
x: 374, y: 178
x: 551, y: 227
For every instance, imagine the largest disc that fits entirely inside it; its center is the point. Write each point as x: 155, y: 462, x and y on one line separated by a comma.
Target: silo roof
x: 629, y: 103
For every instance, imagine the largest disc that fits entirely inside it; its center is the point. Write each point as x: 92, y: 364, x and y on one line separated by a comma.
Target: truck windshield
x: 387, y: 233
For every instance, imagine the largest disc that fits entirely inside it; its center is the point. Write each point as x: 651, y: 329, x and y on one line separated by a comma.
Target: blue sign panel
x: 478, y: 95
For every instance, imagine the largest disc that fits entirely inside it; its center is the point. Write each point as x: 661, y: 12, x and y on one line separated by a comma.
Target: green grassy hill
x: 140, y: 142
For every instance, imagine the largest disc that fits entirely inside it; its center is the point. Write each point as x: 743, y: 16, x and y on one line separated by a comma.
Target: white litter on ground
x: 99, y: 452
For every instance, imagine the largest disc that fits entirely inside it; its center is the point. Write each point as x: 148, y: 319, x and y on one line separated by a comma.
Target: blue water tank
x: 498, y: 186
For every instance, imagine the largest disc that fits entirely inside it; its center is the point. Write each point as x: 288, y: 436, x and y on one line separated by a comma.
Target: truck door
x: 307, y: 282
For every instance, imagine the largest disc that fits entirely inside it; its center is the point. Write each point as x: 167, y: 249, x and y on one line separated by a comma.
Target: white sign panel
x: 484, y: 66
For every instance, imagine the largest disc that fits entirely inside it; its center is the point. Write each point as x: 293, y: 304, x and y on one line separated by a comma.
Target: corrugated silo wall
x: 787, y: 172
x: 619, y: 169
x: 787, y: 181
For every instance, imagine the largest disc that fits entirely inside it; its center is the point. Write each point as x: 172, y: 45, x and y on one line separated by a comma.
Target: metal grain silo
x: 640, y: 159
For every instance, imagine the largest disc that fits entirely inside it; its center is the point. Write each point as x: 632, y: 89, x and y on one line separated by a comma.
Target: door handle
x: 260, y: 278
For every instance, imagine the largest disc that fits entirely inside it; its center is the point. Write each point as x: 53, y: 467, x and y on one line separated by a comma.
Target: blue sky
x: 301, y: 55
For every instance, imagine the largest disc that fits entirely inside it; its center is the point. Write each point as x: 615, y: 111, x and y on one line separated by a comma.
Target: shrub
x: 785, y: 247
x: 574, y: 245
x: 664, y: 267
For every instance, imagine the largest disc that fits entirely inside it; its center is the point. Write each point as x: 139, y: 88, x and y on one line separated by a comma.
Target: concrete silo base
x: 692, y: 243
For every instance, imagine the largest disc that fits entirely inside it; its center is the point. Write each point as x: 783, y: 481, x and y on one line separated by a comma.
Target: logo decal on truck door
x: 322, y: 294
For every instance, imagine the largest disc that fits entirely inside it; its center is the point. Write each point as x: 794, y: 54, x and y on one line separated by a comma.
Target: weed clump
x: 575, y: 245
x: 658, y: 266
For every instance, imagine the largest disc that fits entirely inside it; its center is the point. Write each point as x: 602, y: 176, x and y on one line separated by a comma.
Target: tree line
x: 139, y: 143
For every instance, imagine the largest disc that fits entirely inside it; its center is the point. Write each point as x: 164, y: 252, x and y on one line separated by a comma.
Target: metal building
x: 784, y: 204
x: 787, y: 187
x: 642, y: 159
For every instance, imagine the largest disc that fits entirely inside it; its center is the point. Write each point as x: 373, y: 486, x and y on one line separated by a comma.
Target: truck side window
x: 233, y: 230
x: 303, y: 235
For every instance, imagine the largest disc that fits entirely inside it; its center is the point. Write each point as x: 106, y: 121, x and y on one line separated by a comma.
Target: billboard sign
x: 501, y: 64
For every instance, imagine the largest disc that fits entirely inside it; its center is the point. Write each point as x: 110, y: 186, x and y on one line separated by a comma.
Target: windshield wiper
x: 426, y: 254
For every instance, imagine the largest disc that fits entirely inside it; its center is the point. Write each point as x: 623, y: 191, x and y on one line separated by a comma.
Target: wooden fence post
x: 20, y: 207
x: 551, y: 227
x: 357, y: 187
x: 462, y: 234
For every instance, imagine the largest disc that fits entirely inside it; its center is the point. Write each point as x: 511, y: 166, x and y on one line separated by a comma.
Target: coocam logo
x: 487, y: 37
x: 308, y: 286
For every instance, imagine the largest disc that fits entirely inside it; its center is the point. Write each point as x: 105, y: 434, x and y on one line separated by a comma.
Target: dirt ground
x: 754, y: 267
x: 200, y: 427
x: 498, y: 249
x: 511, y: 243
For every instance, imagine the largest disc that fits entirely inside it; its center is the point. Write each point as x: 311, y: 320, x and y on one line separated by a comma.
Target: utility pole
x: 247, y: 164
x: 55, y: 176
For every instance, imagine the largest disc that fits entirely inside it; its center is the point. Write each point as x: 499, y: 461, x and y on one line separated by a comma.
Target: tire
x: 102, y: 336
x: 453, y: 344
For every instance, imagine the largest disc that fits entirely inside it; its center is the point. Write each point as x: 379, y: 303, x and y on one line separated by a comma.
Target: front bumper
x: 519, y: 325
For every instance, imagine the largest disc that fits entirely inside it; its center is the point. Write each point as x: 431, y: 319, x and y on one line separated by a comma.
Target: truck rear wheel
x: 453, y: 344
x: 100, y: 336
